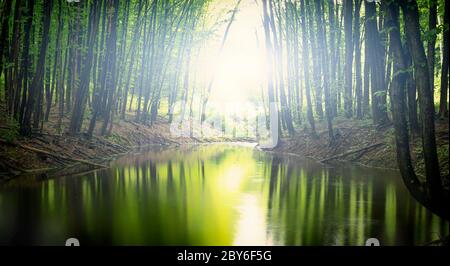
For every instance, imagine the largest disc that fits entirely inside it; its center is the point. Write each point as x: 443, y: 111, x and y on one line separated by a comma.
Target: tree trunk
x: 356, y: 41
x: 269, y: 54
x: 316, y: 82
x: 25, y: 68
x: 111, y: 54
x: 348, y: 78
x: 4, y: 32
x: 377, y: 82
x: 435, y: 202
x: 76, y: 120
x: 412, y: 28
x: 36, y: 83
x: 443, y: 108
x: 305, y: 55
x: 432, y: 21
x: 411, y: 94
x: 366, y: 97
x: 323, y: 55
x: 14, y: 84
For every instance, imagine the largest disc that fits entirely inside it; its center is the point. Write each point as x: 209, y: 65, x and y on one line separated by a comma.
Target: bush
x: 10, y: 131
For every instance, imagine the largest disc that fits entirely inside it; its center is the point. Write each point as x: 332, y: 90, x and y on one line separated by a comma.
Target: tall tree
x: 25, y: 66
x: 366, y: 96
x: 13, y: 80
x: 443, y: 108
x: 286, y: 117
x: 313, y: 41
x: 82, y: 92
x: 348, y: 67
x: 412, y: 28
x: 269, y: 55
x: 431, y: 197
x: 356, y: 41
x: 432, y: 31
x: 4, y: 34
x: 411, y: 93
x: 36, y: 83
x: 305, y: 59
x: 377, y: 78
x: 323, y: 55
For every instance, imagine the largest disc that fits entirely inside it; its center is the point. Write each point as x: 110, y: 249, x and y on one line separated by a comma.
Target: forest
x: 83, y: 79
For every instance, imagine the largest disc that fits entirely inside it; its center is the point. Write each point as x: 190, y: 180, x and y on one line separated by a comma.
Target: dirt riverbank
x: 359, y: 142
x: 46, y: 151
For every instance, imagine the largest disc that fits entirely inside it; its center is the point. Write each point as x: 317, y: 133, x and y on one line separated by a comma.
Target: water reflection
x: 215, y: 195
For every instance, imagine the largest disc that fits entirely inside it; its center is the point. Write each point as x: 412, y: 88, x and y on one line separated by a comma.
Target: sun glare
x: 239, y: 69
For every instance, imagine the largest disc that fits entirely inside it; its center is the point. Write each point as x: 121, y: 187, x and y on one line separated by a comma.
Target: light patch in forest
x: 239, y: 69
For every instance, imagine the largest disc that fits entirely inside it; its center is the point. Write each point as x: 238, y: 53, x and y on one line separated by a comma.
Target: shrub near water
x: 10, y: 131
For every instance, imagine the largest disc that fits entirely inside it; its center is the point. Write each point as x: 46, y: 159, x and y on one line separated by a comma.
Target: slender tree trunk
x: 305, y: 55
x: 377, y: 82
x: 398, y: 106
x: 14, y: 84
x: 411, y: 93
x: 134, y: 43
x: 323, y: 55
x: 366, y: 97
x: 4, y: 32
x: 333, y: 55
x: 76, y: 120
x: 269, y: 54
x: 57, y: 63
x: 348, y: 95
x: 443, y: 103
x: 430, y: 198
x: 277, y: 42
x: 412, y: 28
x: 25, y: 68
x: 316, y: 82
x: 112, y: 43
x: 356, y: 41
x: 431, y: 49
x: 36, y: 83
x: 296, y: 63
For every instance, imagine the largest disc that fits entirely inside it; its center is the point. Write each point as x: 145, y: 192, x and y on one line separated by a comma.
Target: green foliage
x: 10, y: 131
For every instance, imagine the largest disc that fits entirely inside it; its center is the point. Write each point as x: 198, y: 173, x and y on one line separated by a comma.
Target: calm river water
x: 215, y: 195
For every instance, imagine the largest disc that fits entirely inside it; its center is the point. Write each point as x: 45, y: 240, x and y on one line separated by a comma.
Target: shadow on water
x: 216, y: 195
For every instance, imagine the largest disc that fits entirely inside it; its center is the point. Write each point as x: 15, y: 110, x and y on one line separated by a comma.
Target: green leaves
x: 10, y: 131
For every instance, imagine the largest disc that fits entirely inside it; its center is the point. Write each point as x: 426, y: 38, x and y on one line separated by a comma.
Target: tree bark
x: 357, y: 44
x: 431, y: 49
x: 377, y: 82
x: 431, y: 198
x: 412, y: 28
x: 36, y: 83
x: 305, y: 58
x: 443, y: 108
x: 348, y: 77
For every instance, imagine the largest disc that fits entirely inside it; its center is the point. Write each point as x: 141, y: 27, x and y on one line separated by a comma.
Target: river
x: 218, y: 194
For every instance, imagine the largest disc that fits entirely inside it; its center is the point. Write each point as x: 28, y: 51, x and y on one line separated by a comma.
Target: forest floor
x: 359, y: 142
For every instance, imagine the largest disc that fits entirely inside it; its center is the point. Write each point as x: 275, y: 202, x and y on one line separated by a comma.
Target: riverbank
x: 359, y: 142
x: 47, y: 151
